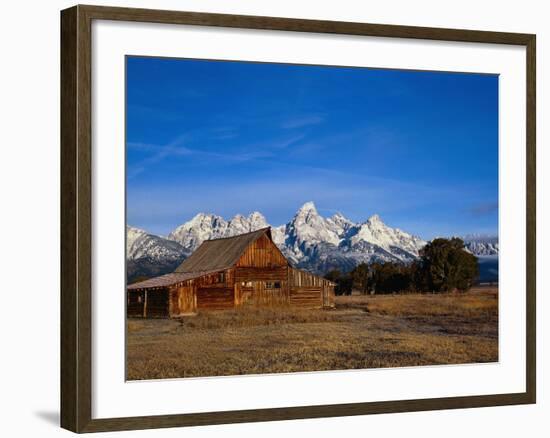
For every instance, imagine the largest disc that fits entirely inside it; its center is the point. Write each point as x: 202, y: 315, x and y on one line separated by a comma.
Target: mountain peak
x: 141, y: 244
x: 308, y: 206
x: 308, y: 214
x: 130, y: 228
x: 256, y: 215
x: 256, y: 221
x: 307, y: 209
x: 340, y: 221
x: 374, y: 219
x: 340, y: 218
x: 200, y: 217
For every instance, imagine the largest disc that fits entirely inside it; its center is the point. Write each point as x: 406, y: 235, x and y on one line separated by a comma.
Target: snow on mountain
x: 209, y: 226
x: 307, y: 230
x: 481, y: 245
x: 148, y: 255
x: 339, y: 224
x: 257, y: 221
x: 376, y: 232
x: 482, y: 248
x: 309, y: 240
x: 278, y: 235
x: 202, y: 227
x: 141, y: 244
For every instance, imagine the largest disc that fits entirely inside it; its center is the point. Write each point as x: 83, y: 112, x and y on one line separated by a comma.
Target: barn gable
x: 220, y: 254
x: 262, y: 253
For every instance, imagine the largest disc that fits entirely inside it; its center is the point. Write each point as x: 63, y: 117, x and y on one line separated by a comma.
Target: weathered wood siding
x: 261, y: 286
x: 182, y: 300
x: 215, y: 298
x: 308, y: 290
x: 261, y: 293
x: 278, y: 273
x: 262, y: 253
x: 209, y: 292
x: 261, y: 275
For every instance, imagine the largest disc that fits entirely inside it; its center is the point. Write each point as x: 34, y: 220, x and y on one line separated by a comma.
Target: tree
x: 345, y: 285
x: 343, y: 282
x: 333, y: 275
x: 447, y: 266
x: 418, y: 278
x: 390, y: 277
x: 361, y: 276
x: 466, y: 269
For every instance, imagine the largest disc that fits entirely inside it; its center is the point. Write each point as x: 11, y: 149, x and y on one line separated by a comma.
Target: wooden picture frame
x: 76, y: 217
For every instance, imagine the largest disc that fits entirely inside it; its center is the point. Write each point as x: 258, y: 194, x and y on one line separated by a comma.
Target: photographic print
x: 290, y: 218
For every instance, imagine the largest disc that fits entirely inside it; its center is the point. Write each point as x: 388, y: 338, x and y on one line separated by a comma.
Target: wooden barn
x: 244, y: 270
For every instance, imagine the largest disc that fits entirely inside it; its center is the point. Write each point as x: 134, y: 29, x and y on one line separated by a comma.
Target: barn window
x: 221, y: 277
x: 273, y: 285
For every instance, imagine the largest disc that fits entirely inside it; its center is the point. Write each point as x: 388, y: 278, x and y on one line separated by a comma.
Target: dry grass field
x: 361, y: 332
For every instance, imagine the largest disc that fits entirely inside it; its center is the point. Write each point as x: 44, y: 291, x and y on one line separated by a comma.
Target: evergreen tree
x: 448, y: 266
x: 361, y: 275
x: 343, y: 282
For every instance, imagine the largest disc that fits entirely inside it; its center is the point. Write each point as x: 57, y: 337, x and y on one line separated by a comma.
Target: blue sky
x: 418, y: 148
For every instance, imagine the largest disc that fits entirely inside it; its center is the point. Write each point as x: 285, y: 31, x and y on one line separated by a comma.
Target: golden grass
x: 362, y: 332
x: 250, y: 317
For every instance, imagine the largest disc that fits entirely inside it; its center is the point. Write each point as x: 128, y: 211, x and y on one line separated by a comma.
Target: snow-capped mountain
x: 391, y: 239
x: 209, y: 226
x: 481, y: 245
x: 340, y: 224
x: 309, y: 240
x: 140, y: 243
x: 148, y: 255
x: 320, y: 244
x: 307, y: 231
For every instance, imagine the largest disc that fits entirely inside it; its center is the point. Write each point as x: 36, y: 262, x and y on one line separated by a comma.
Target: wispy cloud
x: 145, y: 112
x: 262, y: 150
x: 138, y: 146
x: 300, y: 122
x: 484, y: 209
x: 158, y: 153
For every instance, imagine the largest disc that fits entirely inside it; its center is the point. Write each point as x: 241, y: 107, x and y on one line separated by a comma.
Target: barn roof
x: 219, y: 254
x: 166, y: 280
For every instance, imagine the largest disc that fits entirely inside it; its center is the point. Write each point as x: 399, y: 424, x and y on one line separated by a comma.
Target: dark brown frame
x: 76, y: 323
